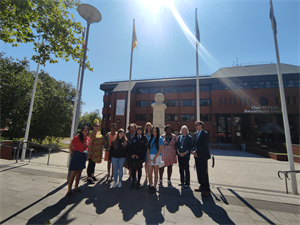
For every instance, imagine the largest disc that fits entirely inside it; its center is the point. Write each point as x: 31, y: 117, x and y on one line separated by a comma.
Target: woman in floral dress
x: 94, y: 152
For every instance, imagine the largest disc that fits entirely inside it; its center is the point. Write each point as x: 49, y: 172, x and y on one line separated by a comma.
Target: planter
x: 278, y: 157
x: 6, y: 152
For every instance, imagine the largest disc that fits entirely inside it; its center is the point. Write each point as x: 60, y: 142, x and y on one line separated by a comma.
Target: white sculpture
x: 159, y: 112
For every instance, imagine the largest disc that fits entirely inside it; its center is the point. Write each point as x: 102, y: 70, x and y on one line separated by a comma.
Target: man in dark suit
x: 201, y: 154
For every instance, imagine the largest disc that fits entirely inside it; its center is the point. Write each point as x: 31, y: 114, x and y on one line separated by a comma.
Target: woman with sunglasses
x: 94, y: 152
x: 78, y: 148
x: 117, y: 155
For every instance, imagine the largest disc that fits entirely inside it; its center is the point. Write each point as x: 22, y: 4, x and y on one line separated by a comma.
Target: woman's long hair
x: 139, y: 128
x: 156, y: 141
x: 147, y: 124
x: 116, y: 140
x: 81, y: 137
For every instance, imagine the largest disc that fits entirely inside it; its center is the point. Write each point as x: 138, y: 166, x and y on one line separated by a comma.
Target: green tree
x: 53, y: 113
x: 49, y: 20
x: 87, y: 119
x: 16, y: 89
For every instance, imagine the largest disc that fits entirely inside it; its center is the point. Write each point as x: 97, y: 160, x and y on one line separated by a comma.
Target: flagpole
x: 30, y: 112
x: 283, y: 107
x: 129, y: 88
x: 197, y: 69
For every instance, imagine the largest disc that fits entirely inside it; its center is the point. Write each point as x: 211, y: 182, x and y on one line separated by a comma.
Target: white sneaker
x: 120, y: 184
x: 114, y: 185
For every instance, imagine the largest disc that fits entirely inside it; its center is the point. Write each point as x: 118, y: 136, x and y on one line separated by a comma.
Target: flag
x: 197, y: 28
x: 134, y: 39
x: 272, y: 17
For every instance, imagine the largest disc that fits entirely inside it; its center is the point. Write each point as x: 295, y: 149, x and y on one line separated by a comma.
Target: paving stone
x: 286, y: 218
x: 240, y: 218
x: 262, y: 215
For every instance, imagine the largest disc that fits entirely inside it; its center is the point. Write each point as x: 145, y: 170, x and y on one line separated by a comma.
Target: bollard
x: 48, y: 156
x: 30, y: 154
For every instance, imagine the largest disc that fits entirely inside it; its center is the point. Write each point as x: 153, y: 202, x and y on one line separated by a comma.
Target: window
x: 245, y: 102
x: 220, y: 101
x: 277, y: 101
x: 289, y: 83
x: 143, y: 103
x: 205, y: 117
x: 229, y: 101
x: 104, y: 117
x: 240, y: 101
x: 108, y: 92
x: 171, y: 89
x: 254, y: 85
x: 225, y: 102
x: 188, y: 102
x: 204, y: 88
x: 204, y: 102
x: 171, y: 117
x: 150, y: 117
x: 268, y: 84
x: 188, y: 89
x: 288, y: 100
x: 234, y: 100
x: 109, y: 117
x: 104, y: 104
x: 151, y: 102
x: 187, y: 117
x: 214, y: 87
x: 171, y: 103
x: 275, y: 84
x: 294, y: 100
x: 261, y: 84
x: 250, y: 101
x: 109, y: 105
x: 141, y: 117
x: 297, y: 83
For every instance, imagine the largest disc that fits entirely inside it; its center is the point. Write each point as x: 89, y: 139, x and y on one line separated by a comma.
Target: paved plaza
x: 245, y: 190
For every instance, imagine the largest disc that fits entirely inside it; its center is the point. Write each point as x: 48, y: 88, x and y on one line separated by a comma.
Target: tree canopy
x: 47, y: 21
x: 87, y: 119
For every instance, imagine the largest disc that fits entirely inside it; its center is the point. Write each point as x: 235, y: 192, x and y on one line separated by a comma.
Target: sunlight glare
x: 155, y: 5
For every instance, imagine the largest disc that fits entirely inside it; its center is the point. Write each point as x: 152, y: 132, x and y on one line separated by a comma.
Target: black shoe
x: 180, y: 184
x: 186, y: 186
x: 132, y: 185
x: 137, y: 187
x: 94, y: 179
x: 90, y: 181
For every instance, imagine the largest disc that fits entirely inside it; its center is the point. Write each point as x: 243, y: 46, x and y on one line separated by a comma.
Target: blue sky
x: 229, y: 29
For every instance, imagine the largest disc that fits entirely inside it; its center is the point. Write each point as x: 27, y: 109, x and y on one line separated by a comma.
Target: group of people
x: 140, y: 146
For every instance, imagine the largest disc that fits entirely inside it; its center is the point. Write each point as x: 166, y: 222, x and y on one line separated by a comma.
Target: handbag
x: 161, y: 163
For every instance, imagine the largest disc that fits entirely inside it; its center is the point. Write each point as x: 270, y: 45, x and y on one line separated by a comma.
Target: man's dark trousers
x: 202, y: 173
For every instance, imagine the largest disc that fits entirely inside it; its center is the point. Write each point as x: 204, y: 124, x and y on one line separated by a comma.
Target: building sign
x: 120, y: 107
x: 263, y: 109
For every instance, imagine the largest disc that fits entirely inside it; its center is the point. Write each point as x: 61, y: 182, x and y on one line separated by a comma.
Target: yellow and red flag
x: 134, y: 39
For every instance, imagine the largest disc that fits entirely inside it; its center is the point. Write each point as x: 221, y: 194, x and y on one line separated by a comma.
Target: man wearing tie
x: 201, y: 154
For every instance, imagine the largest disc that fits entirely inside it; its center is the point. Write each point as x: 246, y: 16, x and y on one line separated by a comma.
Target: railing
x: 286, y: 176
x: 18, y: 145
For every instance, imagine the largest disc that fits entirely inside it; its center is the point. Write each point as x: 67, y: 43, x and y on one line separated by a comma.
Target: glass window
x: 288, y: 100
x: 204, y: 88
x: 103, y: 116
x: 268, y: 84
x: 104, y: 104
x: 297, y: 83
x: 109, y: 117
x: 290, y: 83
x: 171, y: 117
x: 187, y: 117
x: 229, y: 101
x: 220, y: 101
x: 225, y: 102
x: 188, y: 102
x: 261, y: 84
x: 205, y: 117
x: 275, y: 84
x: 143, y: 103
x: 108, y: 92
x: 294, y: 100
x: 221, y: 86
x: 171, y: 103
x: 109, y: 105
x: 151, y: 102
x: 187, y: 89
x: 234, y: 100
x: 204, y: 102
x: 246, y: 85
x: 141, y: 117
x: 215, y: 87
x: 254, y: 85
x: 150, y: 117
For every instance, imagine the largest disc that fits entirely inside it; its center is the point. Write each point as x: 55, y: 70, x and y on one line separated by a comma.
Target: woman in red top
x: 78, y: 148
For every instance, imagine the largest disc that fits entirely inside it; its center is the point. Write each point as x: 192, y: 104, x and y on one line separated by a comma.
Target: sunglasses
x: 96, y: 126
x: 196, y: 125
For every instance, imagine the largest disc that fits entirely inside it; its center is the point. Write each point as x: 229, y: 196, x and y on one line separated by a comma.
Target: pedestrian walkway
x: 245, y: 190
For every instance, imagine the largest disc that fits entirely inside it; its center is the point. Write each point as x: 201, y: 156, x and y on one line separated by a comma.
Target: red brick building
x: 241, y: 102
